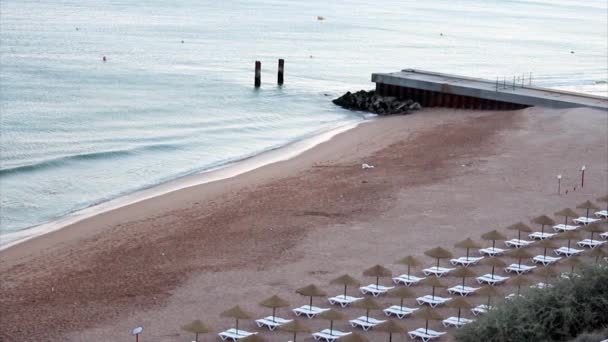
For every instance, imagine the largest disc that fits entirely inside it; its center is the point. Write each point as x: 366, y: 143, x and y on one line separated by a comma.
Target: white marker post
x: 136, y: 332
x: 583, y: 175
x: 559, y: 183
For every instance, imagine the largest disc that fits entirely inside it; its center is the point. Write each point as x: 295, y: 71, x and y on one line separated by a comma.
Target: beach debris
x: 367, y: 166
x: 320, y: 18
x: 104, y: 58
x: 371, y: 102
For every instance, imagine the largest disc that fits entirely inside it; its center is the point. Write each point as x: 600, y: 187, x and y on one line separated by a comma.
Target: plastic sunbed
x: 564, y: 228
x: 541, y: 235
x: 432, y: 301
x: 590, y: 243
x: 308, y: 311
x: 343, y: 300
x: 424, y: 334
x: 492, y: 280
x: 365, y: 323
x: 375, y: 290
x: 271, y: 322
x: 466, y: 262
x: 541, y: 285
x: 601, y: 214
x: 481, y: 309
x: 456, y: 322
x: 462, y: 290
x: 568, y: 251
x: 517, y: 243
x: 407, y: 280
x: 437, y: 271
x: 399, y: 311
x: 519, y: 268
x: 585, y: 220
x: 492, y: 251
x: 604, y: 235
x: 329, y: 335
x: 233, y: 334
x: 545, y: 260
x: 513, y: 296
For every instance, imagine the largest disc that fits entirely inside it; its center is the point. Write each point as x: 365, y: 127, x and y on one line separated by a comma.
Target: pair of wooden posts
x: 258, y: 73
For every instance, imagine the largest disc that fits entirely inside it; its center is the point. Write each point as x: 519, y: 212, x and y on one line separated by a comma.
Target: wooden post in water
x: 258, y: 74
x: 281, y: 70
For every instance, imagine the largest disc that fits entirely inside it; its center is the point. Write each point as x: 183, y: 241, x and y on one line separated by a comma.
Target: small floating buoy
x: 104, y: 58
x: 572, y: 51
x: 77, y: 29
x: 320, y: 17
x: 182, y: 42
x: 441, y: 34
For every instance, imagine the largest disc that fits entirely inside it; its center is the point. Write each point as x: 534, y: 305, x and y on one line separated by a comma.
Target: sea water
x: 175, y: 94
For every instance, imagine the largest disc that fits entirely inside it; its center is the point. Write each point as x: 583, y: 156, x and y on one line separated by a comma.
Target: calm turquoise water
x: 77, y: 131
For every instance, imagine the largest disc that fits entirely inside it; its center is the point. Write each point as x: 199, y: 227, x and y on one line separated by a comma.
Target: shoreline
x: 229, y: 170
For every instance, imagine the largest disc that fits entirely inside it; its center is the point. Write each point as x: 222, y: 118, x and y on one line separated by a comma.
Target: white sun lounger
x: 343, y: 300
x: 329, y: 335
x: 308, y: 311
x: 590, y: 243
x: 488, y: 279
x: 271, y: 322
x: 519, y: 268
x: 604, y: 235
x: 569, y: 275
x: 492, y: 251
x: 399, y: 311
x: 541, y: 235
x: 432, y: 301
x: 456, y: 322
x: 365, y: 323
x: 437, y: 271
x: 233, y: 334
x: 564, y: 228
x: 568, y: 251
x: 407, y: 280
x: 541, y: 285
x: 517, y: 243
x: 424, y: 334
x: 585, y: 220
x: 462, y: 290
x: 375, y: 290
x: 512, y: 296
x: 601, y: 214
x: 466, y: 262
x: 545, y: 260
x: 481, y: 309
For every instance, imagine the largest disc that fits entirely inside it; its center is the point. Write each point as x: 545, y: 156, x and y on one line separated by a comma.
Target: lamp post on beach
x: 559, y: 183
x: 583, y: 175
x: 136, y: 332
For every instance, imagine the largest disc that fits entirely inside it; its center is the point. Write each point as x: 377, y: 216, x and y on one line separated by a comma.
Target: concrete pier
x: 433, y: 89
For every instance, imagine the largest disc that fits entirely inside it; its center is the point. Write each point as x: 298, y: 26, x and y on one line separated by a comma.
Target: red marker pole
x: 258, y: 74
x: 583, y: 175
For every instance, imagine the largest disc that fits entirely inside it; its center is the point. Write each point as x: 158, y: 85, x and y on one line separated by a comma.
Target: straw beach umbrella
x: 332, y: 315
x: 274, y: 302
x: 354, y: 337
x: 467, y: 244
x: 546, y: 273
x: 345, y: 280
x: 493, y: 236
x: 543, y: 220
x: 433, y: 282
x: 236, y: 313
x: 463, y: 272
x: 598, y: 253
x: 520, y: 281
x: 377, y: 271
x: 459, y: 303
x: 311, y: 291
x: 566, y: 213
x: 593, y: 228
x: 544, y: 244
x: 520, y: 227
x: 573, y: 262
x: 494, y: 262
x: 587, y: 205
x: 367, y: 304
x: 427, y: 314
x: 520, y: 254
x: 409, y: 261
x: 490, y: 292
x: 438, y: 253
x: 196, y: 327
x: 569, y: 235
x: 295, y: 327
x: 604, y: 199
x: 391, y: 327
x: 401, y: 293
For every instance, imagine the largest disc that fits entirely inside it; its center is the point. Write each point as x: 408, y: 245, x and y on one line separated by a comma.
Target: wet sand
x: 440, y: 176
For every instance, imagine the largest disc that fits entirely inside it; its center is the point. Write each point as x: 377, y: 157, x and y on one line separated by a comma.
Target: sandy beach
x: 440, y: 175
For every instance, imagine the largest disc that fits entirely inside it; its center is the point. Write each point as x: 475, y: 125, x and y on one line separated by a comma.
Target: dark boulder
x: 381, y: 105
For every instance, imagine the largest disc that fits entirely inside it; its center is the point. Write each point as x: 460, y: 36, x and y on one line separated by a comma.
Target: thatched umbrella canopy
x: 253, y: 338
x: 547, y: 272
x: 354, y: 337
x: 604, y: 199
x: 459, y: 303
x: 520, y: 281
x: 598, y: 253
x: 402, y: 293
x: 543, y: 220
x: 433, y: 282
x: 409, y: 261
x: 332, y: 315
x: 573, y: 262
x: 345, y: 280
x: 520, y: 227
x: 237, y: 313
x: 427, y: 314
x: 494, y: 262
x: 391, y: 327
x: 467, y: 244
x: 378, y: 271
x: 295, y: 327
x: 569, y: 235
x: 493, y: 236
x: 274, y: 302
x: 593, y: 228
x: 489, y: 291
x: 520, y: 254
x: 463, y: 272
x: 367, y: 304
x: 566, y: 213
x: 587, y: 205
x: 311, y: 291
x: 546, y: 244
x: 197, y: 327
x: 438, y: 253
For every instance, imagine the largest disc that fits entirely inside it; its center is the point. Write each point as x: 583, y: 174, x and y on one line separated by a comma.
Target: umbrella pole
x: 237, y: 326
x: 427, y: 327
x: 401, y: 303
x: 519, y: 235
x: 518, y: 290
x: 545, y: 252
x: 587, y: 213
x: 437, y: 263
x: 344, y: 291
x: 331, y: 327
x: 459, y: 315
x: 408, y: 271
x: 196, y: 337
x: 572, y: 269
x: 542, y: 229
x: 433, y: 292
x: 310, y: 305
x: 493, y: 272
x: 273, y: 315
x: 489, y: 302
x: 377, y: 282
x: 493, y: 244
x: 462, y: 282
x: 294, y: 336
x: 467, y: 254
x: 566, y: 222
x: 568, y: 245
x: 390, y: 336
x: 367, y: 316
